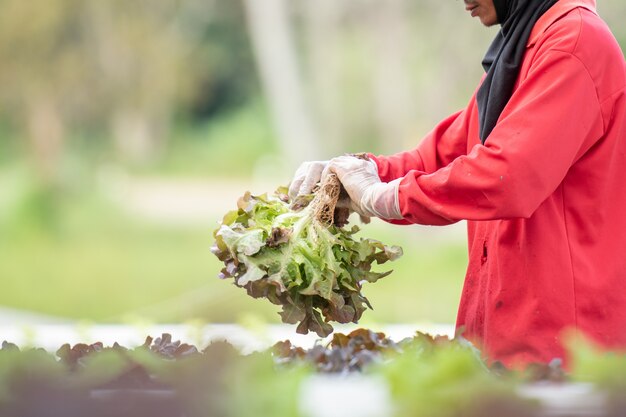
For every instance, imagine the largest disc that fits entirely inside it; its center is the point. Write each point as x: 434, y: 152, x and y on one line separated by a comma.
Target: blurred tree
x: 322, y: 23
x: 119, y: 69
x: 377, y: 75
x: 140, y: 53
x: 272, y: 37
x: 382, y: 74
x: 222, y: 57
x: 121, y: 66
x: 394, y: 102
x: 39, y: 53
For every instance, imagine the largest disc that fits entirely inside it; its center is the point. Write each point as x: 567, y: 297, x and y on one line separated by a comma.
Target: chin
x: 488, y: 22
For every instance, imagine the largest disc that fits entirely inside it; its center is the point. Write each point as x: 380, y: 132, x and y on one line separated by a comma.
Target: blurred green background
x: 129, y: 127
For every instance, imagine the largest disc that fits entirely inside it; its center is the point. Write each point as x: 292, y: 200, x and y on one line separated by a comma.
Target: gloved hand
x: 306, y: 177
x: 370, y: 196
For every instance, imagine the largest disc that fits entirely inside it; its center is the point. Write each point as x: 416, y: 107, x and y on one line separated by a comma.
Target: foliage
x: 260, y: 389
x: 293, y: 260
x: 120, y: 70
x: 601, y: 368
x: 231, y: 145
x: 342, y: 354
x: 427, y: 376
x: 222, y: 59
x: 160, y: 378
x: 590, y: 363
x: 436, y: 378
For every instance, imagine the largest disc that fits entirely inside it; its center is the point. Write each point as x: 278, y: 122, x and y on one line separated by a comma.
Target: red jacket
x: 545, y: 196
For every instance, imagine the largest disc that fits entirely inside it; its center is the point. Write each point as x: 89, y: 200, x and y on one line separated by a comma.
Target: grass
x: 98, y: 264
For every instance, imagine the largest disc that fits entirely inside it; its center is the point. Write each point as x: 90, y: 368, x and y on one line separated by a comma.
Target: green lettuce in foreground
x: 312, y: 270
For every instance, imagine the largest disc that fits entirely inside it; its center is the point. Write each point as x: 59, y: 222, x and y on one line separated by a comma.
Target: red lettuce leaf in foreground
x: 315, y: 272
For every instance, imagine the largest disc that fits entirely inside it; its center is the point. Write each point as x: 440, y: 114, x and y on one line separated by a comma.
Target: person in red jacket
x: 536, y: 164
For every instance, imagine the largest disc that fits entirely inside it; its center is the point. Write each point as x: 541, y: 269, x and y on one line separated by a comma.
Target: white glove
x: 370, y: 196
x: 306, y: 177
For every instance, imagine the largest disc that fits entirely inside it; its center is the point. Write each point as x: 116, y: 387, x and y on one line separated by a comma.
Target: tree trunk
x: 45, y: 129
x: 393, y: 99
x: 272, y: 39
x: 324, y: 54
x: 139, y: 137
x: 46, y: 133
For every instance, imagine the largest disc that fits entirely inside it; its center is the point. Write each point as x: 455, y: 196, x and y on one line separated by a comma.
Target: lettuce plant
x: 313, y: 270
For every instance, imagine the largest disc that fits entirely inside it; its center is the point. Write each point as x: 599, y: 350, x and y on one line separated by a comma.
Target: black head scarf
x: 504, y: 57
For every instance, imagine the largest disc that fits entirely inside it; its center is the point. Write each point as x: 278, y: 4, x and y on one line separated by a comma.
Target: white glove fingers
x: 294, y: 187
x: 329, y: 168
x: 306, y: 187
x: 313, y: 176
x: 306, y: 177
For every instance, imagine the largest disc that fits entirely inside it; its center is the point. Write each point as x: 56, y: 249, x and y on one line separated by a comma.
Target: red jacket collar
x: 561, y: 8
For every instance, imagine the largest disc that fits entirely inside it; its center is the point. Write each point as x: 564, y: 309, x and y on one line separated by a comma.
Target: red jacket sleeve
x: 552, y: 118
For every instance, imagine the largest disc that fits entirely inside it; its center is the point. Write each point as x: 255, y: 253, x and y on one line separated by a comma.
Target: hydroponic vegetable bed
x: 361, y: 373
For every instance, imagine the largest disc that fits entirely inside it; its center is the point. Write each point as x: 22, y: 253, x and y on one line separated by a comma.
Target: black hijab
x: 504, y: 57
